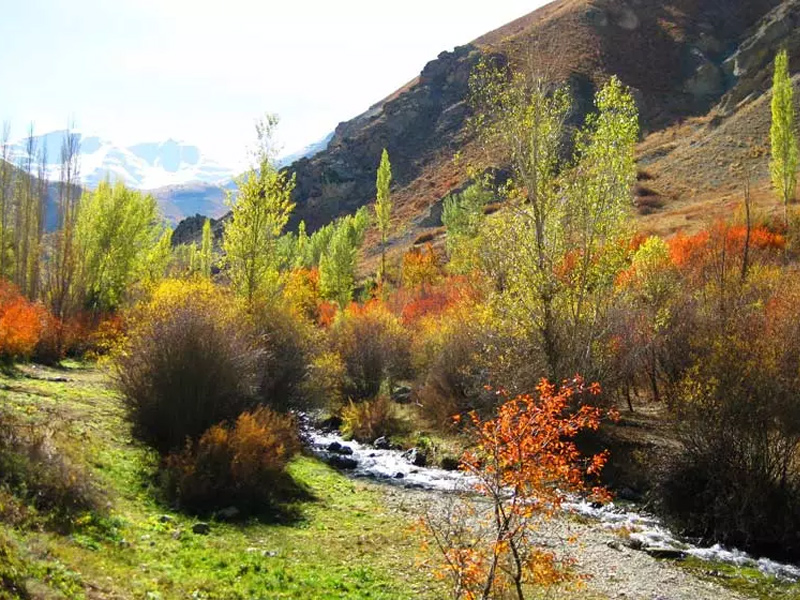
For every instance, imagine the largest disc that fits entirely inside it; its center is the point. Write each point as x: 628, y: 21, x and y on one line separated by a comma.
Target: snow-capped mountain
x: 143, y: 166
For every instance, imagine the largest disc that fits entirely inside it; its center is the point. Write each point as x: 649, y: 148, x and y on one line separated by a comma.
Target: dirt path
x: 614, y: 570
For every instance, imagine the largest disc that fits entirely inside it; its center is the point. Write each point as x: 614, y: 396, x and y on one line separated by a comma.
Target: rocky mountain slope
x: 699, y: 69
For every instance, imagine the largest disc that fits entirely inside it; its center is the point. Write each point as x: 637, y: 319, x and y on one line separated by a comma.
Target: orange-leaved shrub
x: 21, y: 323
x: 241, y: 465
x: 191, y: 361
x: 524, y: 462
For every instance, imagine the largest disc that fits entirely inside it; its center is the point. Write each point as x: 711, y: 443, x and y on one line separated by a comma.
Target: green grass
x: 747, y: 581
x: 346, y: 543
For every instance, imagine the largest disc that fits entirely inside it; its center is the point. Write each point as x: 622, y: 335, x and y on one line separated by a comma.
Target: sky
x: 202, y: 71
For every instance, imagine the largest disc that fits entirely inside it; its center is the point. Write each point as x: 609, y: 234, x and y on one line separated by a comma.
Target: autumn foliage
x: 21, y: 323
x: 524, y: 462
x: 241, y: 464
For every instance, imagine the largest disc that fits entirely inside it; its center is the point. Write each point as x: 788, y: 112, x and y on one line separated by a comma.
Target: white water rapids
x: 390, y: 466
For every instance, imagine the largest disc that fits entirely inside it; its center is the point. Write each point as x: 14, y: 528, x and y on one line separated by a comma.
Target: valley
x: 527, y: 327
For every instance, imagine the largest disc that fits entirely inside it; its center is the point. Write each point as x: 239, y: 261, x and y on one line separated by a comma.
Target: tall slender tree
x: 206, y: 248
x: 783, y: 137
x: 383, y: 206
x: 40, y: 216
x: 259, y: 213
x: 5, y: 199
x: 62, y: 262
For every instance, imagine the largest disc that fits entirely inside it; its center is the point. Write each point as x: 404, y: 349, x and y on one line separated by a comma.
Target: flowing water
x: 647, y: 531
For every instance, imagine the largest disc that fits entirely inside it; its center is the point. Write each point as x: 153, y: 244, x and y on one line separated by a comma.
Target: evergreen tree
x: 783, y: 164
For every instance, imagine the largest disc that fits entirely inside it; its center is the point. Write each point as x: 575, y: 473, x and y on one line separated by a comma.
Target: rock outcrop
x: 414, y: 124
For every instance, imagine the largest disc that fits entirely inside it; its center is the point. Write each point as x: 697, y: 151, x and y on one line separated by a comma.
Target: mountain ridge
x: 688, y: 62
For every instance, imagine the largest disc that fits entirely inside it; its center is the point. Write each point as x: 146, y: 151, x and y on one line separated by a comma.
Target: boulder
x: 627, y: 19
x: 448, y: 463
x: 229, y: 513
x: 201, y: 528
x: 382, y: 443
x: 416, y: 457
x: 337, y: 448
x: 665, y: 553
x: 402, y: 394
x: 341, y: 462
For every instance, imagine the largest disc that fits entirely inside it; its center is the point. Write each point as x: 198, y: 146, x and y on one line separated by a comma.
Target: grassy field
x: 345, y: 542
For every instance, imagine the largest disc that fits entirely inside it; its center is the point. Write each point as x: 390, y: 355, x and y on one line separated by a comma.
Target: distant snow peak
x: 144, y: 166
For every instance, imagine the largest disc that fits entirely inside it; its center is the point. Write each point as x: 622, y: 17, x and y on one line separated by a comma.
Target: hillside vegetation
x: 548, y: 346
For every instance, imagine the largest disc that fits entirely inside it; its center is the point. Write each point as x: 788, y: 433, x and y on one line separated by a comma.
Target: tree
x: 258, y: 215
x: 523, y: 116
x: 552, y: 255
x: 383, y: 206
x: 463, y: 216
x: 337, y: 265
x: 524, y: 463
x: 62, y: 260
x: 116, y: 232
x: 783, y: 163
x: 6, y: 175
x: 206, y: 249
x: 599, y: 203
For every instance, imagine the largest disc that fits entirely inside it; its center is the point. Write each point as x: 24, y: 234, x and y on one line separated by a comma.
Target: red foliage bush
x: 21, y: 323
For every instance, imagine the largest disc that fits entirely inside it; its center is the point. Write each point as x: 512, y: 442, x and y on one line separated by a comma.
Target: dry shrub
x: 190, y: 362
x: 374, y: 348
x: 284, y: 340
x: 649, y: 204
x: 448, y: 352
x: 738, y: 479
x: 243, y: 465
x: 21, y: 323
x: 323, y: 384
x: 367, y: 421
x: 39, y: 468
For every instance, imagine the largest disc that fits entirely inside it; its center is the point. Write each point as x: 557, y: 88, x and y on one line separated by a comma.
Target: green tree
x: 337, y: 265
x: 206, y: 250
x: 258, y: 215
x: 522, y: 116
x: 116, y: 232
x: 552, y: 254
x: 463, y: 216
x: 383, y: 206
x: 783, y: 163
x: 599, y: 204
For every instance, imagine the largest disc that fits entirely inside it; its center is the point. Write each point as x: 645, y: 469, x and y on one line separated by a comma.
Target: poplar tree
x: 258, y: 215
x: 783, y: 163
x: 6, y: 175
x: 116, y: 232
x: 337, y: 264
x: 206, y: 248
x: 383, y: 206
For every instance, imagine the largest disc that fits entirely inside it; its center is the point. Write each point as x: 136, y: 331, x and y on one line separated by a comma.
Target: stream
x: 647, y: 532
